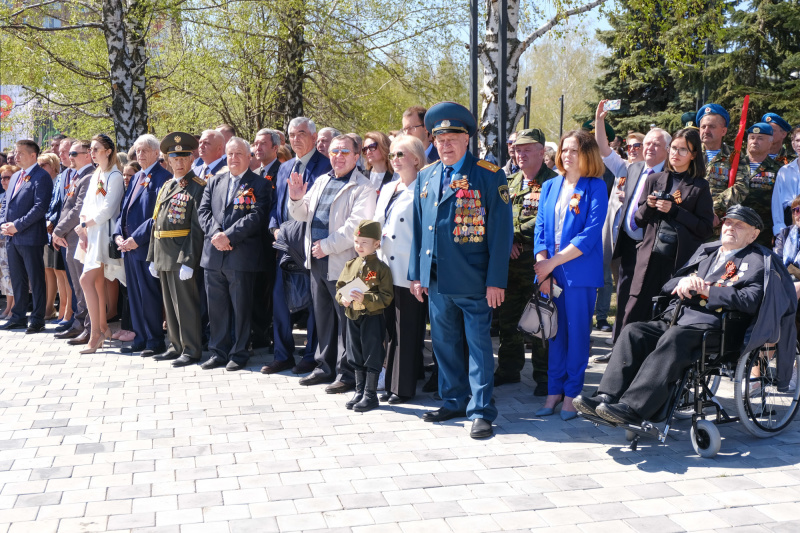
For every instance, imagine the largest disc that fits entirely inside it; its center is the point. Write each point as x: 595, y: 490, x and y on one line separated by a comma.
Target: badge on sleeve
x: 503, y: 190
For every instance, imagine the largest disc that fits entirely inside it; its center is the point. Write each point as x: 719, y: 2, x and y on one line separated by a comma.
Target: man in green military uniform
x: 175, y: 248
x: 782, y: 154
x: 761, y: 179
x: 524, y: 187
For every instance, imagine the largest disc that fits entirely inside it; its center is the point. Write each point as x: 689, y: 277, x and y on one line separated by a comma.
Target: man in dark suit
x: 265, y: 148
x: 65, y: 237
x: 132, y: 235
x: 233, y: 214
x: 649, y: 356
x: 310, y: 164
x: 28, y: 197
x: 414, y: 124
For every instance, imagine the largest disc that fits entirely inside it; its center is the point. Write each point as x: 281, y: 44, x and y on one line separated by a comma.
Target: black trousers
x: 230, y: 302
x: 646, y: 359
x: 627, y: 267
x: 365, y: 336
x: 262, y: 307
x: 331, y: 326
x: 26, y: 266
x: 405, y: 323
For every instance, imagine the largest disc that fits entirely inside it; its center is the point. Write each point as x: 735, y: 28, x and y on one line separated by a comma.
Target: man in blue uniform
x: 462, y: 239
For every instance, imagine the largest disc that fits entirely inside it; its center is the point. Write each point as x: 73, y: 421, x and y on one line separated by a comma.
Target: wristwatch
x: 83, y: 224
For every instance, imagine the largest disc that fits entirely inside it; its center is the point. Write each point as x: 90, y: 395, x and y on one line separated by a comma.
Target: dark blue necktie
x: 448, y: 172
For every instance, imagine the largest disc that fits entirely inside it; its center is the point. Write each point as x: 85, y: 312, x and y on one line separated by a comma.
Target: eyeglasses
x: 634, y: 146
x: 9, y: 177
x: 795, y: 210
x: 343, y: 151
x: 397, y: 155
x: 75, y: 154
x: 369, y: 148
x: 683, y: 152
x: 411, y: 129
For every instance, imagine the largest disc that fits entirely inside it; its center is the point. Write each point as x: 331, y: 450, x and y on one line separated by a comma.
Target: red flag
x: 737, y: 145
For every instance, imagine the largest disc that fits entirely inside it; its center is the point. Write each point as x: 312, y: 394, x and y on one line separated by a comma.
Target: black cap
x: 746, y: 215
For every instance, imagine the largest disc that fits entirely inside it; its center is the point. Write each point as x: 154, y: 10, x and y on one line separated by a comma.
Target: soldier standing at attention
x: 175, y: 248
x: 524, y: 189
x: 459, y: 256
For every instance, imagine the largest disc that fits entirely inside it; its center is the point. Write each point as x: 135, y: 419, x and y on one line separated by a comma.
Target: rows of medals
x: 177, y: 208
x: 470, y: 217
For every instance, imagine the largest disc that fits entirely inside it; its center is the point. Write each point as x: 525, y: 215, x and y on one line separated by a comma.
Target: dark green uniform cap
x: 589, y: 126
x: 369, y: 229
x: 530, y: 137
x: 688, y: 120
x: 178, y: 144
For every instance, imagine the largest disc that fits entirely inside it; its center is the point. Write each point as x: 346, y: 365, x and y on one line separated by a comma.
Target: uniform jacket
x: 693, y: 218
x: 583, y: 229
x: 717, y: 171
x: 760, y: 185
x: 136, y: 216
x: 353, y: 203
x: 525, y: 202
x: 316, y: 167
x: 243, y: 227
x: 377, y: 276
x: 463, y: 268
x: 176, y: 210
x: 397, y: 230
x: 27, y: 208
x: 73, y: 203
x: 629, y: 188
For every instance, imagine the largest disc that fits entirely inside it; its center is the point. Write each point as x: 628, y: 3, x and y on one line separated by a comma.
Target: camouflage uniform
x: 511, y: 354
x: 759, y: 196
x: 717, y: 172
x: 785, y: 156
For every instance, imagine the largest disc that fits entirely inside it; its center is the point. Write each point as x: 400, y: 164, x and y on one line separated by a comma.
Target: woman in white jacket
x: 405, y: 318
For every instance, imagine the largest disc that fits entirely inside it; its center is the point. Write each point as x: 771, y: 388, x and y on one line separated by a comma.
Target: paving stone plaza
x: 109, y: 442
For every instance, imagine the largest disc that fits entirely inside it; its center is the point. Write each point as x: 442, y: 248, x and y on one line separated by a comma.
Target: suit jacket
x: 243, y: 226
x: 631, y: 180
x: 213, y: 171
x: 73, y: 203
x: 316, y: 167
x: 476, y: 264
x: 433, y: 157
x: 27, y: 208
x: 270, y: 174
x: 583, y: 228
x: 136, y: 216
x: 59, y: 194
x: 397, y: 230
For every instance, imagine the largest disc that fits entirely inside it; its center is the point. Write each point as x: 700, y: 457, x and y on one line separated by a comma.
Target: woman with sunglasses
x: 6, y: 171
x: 376, y: 155
x: 677, y: 215
x: 405, y: 317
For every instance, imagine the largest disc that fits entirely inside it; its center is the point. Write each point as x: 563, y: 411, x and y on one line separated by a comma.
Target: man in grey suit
x: 64, y: 236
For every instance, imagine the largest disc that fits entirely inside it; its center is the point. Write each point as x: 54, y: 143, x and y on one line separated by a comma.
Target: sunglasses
x: 397, y: 155
x: 343, y: 151
x: 75, y: 154
x: 795, y: 210
x: 369, y: 148
x: 634, y: 146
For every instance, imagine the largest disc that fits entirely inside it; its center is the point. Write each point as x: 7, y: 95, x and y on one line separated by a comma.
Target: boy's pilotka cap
x: 369, y: 229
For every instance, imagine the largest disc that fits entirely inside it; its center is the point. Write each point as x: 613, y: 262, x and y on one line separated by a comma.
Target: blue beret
x: 713, y: 109
x: 760, y: 127
x: 774, y: 119
x: 450, y: 117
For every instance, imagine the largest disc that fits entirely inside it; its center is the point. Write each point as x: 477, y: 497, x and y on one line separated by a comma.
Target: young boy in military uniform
x: 366, y: 325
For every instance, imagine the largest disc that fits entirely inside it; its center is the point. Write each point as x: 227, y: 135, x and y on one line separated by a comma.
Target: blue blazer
x: 28, y: 208
x: 584, y: 230
x: 463, y: 269
x: 136, y: 216
x: 316, y: 167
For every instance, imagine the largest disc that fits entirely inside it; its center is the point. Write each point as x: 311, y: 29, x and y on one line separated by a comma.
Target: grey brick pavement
x: 108, y: 442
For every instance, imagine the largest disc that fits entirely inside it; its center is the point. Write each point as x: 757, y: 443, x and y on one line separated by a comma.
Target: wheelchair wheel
x: 763, y: 410
x: 705, y: 439
x: 687, y: 397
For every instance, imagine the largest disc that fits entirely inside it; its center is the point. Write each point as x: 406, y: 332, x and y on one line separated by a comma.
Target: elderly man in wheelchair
x: 734, y: 285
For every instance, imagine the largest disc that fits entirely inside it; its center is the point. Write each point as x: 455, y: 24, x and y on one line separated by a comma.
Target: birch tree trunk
x: 291, y: 55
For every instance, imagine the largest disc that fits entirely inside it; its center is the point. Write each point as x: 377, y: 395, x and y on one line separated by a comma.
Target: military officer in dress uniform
x: 175, y: 247
x: 524, y: 189
x: 459, y: 255
x: 780, y: 129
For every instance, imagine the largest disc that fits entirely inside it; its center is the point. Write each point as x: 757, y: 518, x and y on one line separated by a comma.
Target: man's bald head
x: 211, y: 145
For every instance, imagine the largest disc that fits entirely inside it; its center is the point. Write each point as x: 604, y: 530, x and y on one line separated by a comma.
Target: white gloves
x: 185, y: 273
x: 153, y: 271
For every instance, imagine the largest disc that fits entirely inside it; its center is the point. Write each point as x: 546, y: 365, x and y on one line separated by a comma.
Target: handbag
x: 666, y: 241
x: 540, y: 318
x: 113, y: 251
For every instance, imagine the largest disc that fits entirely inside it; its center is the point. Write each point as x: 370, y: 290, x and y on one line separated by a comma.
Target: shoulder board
x: 485, y: 164
x: 429, y: 165
x: 199, y: 181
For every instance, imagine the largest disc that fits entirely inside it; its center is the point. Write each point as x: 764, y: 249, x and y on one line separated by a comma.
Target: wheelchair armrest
x: 660, y: 303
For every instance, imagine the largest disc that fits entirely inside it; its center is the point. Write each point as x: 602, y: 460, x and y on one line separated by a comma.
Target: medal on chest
x: 470, y: 217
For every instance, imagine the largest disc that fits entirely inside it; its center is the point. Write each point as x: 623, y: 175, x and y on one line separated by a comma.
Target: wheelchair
x: 761, y: 407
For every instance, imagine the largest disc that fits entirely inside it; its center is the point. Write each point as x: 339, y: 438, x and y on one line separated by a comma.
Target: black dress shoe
x: 278, y: 366
x: 339, y: 386
x: 432, y: 385
x: 481, y: 429
x: 605, y: 358
x: 34, y: 329
x: 540, y: 389
x: 442, y: 414
x: 83, y: 338
x: 150, y: 352
x: 184, y: 360
x: 62, y: 328
x: 385, y: 395
x: 233, y: 366
x: 68, y: 334
x: 15, y: 325
x: 394, y: 399
x: 129, y: 349
x: 304, y: 367
x: 500, y: 379
x: 167, y: 356
x: 589, y: 405
x: 315, y: 379
x: 214, y: 362
x: 619, y: 413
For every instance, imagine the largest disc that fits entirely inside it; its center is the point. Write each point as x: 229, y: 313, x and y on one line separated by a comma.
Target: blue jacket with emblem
x: 136, y: 216
x: 463, y: 269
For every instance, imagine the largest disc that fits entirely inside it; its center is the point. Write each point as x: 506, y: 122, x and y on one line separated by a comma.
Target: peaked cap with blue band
x: 450, y: 117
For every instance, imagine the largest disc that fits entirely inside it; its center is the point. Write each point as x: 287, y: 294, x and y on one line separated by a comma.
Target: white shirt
x: 616, y: 164
x: 638, y: 234
x: 564, y: 197
x: 787, y: 188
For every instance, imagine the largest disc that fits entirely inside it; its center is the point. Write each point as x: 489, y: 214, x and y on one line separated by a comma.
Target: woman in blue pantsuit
x: 568, y: 245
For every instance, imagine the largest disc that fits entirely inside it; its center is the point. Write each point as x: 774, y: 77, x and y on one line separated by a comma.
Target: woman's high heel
x: 93, y: 347
x: 548, y: 411
x: 106, y: 334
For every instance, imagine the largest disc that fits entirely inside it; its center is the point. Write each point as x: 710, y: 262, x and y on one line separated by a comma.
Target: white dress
x: 104, y: 209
